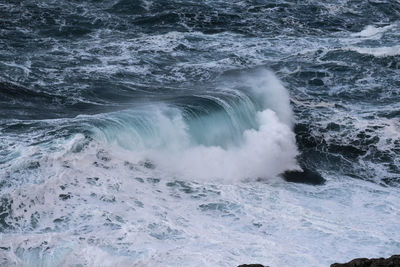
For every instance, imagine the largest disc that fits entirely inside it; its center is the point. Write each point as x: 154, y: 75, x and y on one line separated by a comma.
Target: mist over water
x: 154, y: 133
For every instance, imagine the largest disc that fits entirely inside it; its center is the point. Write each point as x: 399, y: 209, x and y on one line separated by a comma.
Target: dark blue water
x: 139, y: 131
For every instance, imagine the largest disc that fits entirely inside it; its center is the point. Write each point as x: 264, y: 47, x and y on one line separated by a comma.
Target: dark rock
x: 306, y: 176
x: 393, y: 261
x: 252, y: 265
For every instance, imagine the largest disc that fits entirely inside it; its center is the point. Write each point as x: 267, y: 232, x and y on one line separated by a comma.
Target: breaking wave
x: 233, y: 134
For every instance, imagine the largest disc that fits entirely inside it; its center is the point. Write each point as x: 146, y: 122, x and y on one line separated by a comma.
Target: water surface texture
x: 154, y: 133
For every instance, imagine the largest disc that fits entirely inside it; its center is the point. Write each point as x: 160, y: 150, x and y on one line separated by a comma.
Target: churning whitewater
x: 156, y: 133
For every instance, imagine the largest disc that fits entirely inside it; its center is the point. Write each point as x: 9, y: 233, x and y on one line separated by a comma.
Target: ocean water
x: 154, y: 133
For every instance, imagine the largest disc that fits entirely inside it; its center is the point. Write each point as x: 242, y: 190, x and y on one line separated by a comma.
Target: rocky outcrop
x: 393, y: 261
x: 306, y: 176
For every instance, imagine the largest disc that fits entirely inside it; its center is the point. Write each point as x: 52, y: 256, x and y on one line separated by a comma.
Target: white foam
x: 378, y: 51
x: 265, y: 153
x: 276, y: 224
x: 371, y: 30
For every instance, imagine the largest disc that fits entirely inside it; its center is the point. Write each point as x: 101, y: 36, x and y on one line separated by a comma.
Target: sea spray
x: 163, y: 134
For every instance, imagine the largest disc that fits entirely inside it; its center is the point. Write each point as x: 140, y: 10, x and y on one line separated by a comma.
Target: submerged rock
x: 306, y: 176
x: 252, y: 265
x: 393, y: 261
